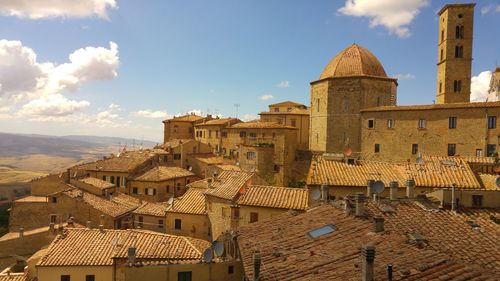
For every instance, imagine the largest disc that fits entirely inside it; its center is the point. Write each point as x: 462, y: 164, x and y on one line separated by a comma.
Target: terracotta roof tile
x: 118, y: 205
x: 489, y: 181
x: 293, y: 111
x: 228, y: 184
x: 210, y: 159
x: 93, y: 247
x: 289, y: 253
x: 126, y: 162
x: 185, y: 118
x: 162, y: 173
x: 228, y: 167
x: 260, y: 125
x: 354, y: 61
x: 97, y: 183
x: 191, y: 202
x: 275, y: 197
x: 434, y: 106
x: 173, y: 143
x: 152, y: 209
x: 287, y: 103
x: 14, y: 277
x: 220, y: 122
x: 434, y: 172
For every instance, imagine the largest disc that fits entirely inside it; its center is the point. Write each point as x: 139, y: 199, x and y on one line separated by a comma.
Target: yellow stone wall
x: 335, y: 110
x: 449, y: 67
x: 77, y: 273
x: 177, y: 130
x: 196, y: 226
x: 470, y: 134
x: 219, y: 214
x: 263, y: 213
x: 164, y: 189
x: 301, y: 123
x: 150, y: 223
x: 200, y: 272
x: 48, y: 185
x: 210, y: 135
x: 491, y: 198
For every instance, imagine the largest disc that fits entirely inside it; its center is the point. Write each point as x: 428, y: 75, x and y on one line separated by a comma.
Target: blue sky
x: 176, y: 56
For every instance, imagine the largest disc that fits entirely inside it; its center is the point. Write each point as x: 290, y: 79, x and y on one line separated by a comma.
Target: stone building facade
x: 210, y: 132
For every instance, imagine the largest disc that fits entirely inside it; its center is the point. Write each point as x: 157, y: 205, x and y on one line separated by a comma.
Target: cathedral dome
x: 354, y: 61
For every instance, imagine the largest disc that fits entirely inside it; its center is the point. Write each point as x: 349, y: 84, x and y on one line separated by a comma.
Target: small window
x: 135, y: 190
x: 251, y: 155
x: 65, y: 278
x: 414, y: 148
x: 377, y: 148
x: 276, y: 109
x: 322, y: 231
x: 177, y: 156
x: 293, y: 123
x: 452, y: 122
x: 230, y: 269
x: 492, y: 122
x: 209, y: 134
x: 243, y: 134
x: 150, y: 191
x: 457, y: 86
x: 185, y: 276
x: 254, y: 217
x: 112, y: 179
x: 223, y: 134
x: 452, y: 149
x: 276, y: 168
x: 371, y: 123
x: 442, y: 57
x: 317, y: 105
x: 54, y: 199
x: 118, y: 181
x: 141, y: 221
x: 440, y: 87
x: 442, y: 35
x: 460, y: 16
x: 390, y: 123
x: 253, y: 135
x: 492, y: 148
x: 459, y: 51
x: 53, y: 218
x: 178, y: 224
x: 479, y: 152
x: 421, y: 123
x: 104, y: 178
x: 477, y: 200
x: 89, y: 277
x: 160, y: 223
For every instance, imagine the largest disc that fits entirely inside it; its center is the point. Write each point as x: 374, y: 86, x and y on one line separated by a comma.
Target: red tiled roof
x: 275, y: 197
x: 458, y: 105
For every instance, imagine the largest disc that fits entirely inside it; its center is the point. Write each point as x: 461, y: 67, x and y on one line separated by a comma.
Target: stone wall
x: 196, y: 226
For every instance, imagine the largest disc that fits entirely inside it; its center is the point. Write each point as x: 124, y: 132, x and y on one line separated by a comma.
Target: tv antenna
x: 237, y: 105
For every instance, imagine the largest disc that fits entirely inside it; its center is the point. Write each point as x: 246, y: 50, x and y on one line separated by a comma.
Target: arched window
x: 440, y: 86
x: 442, y: 54
x: 176, y: 128
x: 442, y: 35
x: 459, y: 32
x: 459, y: 51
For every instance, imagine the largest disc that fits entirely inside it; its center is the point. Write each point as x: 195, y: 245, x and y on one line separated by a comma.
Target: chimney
x: 410, y: 188
x: 89, y: 224
x: 360, y: 204
x: 347, y: 207
x: 131, y: 255
x: 324, y: 193
x: 393, y: 192
x: 369, y: 188
x: 51, y: 227
x: 21, y: 232
x: 378, y: 224
x: 453, y: 199
x: 209, y: 181
x: 368, y: 256
x: 101, y: 223
x: 256, y: 265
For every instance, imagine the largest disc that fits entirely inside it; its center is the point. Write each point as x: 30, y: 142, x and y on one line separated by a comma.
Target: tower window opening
x: 442, y: 35
x: 459, y: 51
x: 442, y: 54
x: 440, y: 86
x: 457, y: 86
x: 459, y: 32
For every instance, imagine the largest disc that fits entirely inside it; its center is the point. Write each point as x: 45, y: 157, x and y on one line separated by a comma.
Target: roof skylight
x: 329, y: 228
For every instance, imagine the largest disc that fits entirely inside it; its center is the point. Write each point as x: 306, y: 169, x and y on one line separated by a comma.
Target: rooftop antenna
x: 237, y: 105
x: 133, y: 144
x: 140, y: 147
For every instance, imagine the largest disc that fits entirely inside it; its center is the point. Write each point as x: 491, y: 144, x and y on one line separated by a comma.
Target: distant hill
x: 16, y: 145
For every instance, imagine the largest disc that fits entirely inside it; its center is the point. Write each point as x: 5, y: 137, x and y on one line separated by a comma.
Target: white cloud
x: 110, y: 117
x: 23, y: 79
x: 249, y: 117
x: 38, y: 9
x: 407, y: 76
x: 283, y: 84
x: 395, y: 15
x: 497, y: 9
x: 267, y: 97
x: 52, y: 105
x: 490, y: 8
x: 148, y: 113
x: 479, y: 86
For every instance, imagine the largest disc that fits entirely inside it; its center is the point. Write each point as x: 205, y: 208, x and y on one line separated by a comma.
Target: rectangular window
x: 251, y: 155
x: 414, y: 148
x: 230, y: 269
x: 276, y: 168
x: 89, y: 277
x: 104, y: 178
x: 371, y: 123
x: 254, y: 217
x: 178, y: 224
x: 150, y: 191
x: 185, y: 276
x: 253, y: 135
x: 317, y: 105
x: 160, y: 224
x: 141, y: 221
x: 421, y: 123
x: 209, y: 133
x: 223, y: 134
x: 223, y: 212
x: 390, y: 123
x: 294, y: 123
x: 492, y: 148
x: 452, y: 122
x: 118, y: 181
x: 377, y: 148
x: 235, y: 213
x: 452, y: 149
x: 276, y: 109
x: 243, y: 134
x: 65, y: 278
x: 492, y: 122
x: 135, y: 190
x: 177, y: 156
x: 216, y: 134
x: 479, y: 152
x: 477, y: 200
